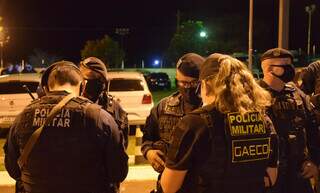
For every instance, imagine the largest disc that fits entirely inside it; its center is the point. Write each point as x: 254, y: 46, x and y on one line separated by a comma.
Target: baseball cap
x: 276, y: 53
x: 189, y: 64
x: 95, y: 65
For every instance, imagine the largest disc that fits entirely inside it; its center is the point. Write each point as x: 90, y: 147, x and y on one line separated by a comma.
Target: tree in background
x: 225, y: 34
x: 40, y: 58
x: 105, y: 49
x: 188, y: 39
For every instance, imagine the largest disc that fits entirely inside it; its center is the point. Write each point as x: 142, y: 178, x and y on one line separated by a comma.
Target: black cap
x: 276, y: 53
x: 189, y: 64
x: 56, y: 65
x: 96, y: 65
x: 310, y: 77
x: 210, y: 66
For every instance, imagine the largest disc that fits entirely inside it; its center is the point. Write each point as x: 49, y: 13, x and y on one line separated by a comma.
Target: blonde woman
x: 229, y: 145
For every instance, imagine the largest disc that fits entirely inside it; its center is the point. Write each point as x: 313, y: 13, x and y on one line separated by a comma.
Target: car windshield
x: 119, y: 84
x: 16, y: 87
x: 159, y: 75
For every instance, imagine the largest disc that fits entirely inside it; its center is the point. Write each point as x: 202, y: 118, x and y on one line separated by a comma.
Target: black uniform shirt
x: 97, y: 138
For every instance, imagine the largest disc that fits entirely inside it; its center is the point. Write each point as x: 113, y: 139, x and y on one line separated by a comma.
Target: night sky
x: 61, y: 27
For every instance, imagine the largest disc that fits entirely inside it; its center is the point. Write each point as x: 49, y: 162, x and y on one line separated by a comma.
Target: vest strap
x: 36, y: 134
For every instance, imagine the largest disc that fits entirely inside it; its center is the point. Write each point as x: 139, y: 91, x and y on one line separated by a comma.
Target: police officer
x: 229, y: 144
x: 164, y: 116
x: 97, y: 87
x: 310, y: 77
x: 294, y: 122
x: 310, y: 85
x: 72, y: 152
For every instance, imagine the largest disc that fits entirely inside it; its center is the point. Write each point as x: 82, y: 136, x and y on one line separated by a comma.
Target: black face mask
x: 93, y: 89
x: 288, y: 72
x: 190, y: 95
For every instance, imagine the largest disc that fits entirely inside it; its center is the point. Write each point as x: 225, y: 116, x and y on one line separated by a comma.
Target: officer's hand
x: 155, y: 159
x: 309, y: 170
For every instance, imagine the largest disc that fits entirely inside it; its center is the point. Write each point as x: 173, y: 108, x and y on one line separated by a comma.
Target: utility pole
x: 309, y: 9
x: 283, y: 31
x: 178, y: 21
x: 250, y: 35
x: 4, y: 38
x: 122, y: 32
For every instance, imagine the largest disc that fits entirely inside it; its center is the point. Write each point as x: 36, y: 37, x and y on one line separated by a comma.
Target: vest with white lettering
x: 67, y: 153
x: 240, y: 151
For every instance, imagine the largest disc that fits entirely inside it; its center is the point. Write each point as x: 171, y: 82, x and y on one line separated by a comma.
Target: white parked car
x: 130, y: 89
x: 14, y: 97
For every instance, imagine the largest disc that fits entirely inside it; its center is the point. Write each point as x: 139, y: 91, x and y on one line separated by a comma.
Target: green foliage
x: 187, y: 40
x: 105, y: 49
x: 225, y: 34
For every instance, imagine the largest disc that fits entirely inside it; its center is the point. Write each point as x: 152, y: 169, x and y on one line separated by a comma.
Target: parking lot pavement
x: 140, y: 179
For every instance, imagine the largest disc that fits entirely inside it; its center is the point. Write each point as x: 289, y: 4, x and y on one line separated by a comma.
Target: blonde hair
x: 234, y: 88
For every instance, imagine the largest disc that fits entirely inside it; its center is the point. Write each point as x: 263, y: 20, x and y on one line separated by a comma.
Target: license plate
x: 6, y: 119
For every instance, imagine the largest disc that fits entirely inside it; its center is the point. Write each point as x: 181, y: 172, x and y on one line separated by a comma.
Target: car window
x: 119, y: 84
x: 16, y: 87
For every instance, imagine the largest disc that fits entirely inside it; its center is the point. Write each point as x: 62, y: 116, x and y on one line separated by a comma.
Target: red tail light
x: 147, y: 99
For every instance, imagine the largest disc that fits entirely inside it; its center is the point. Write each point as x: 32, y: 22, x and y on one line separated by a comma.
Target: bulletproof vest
x: 67, y: 154
x: 169, y: 115
x: 240, y: 150
x: 288, y: 113
x: 116, y: 111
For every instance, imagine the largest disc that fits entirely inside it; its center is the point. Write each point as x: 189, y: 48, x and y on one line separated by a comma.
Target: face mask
x: 93, y: 89
x: 288, y: 73
x: 190, y: 95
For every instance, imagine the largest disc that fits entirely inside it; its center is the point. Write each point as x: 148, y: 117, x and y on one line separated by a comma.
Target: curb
x: 142, y: 178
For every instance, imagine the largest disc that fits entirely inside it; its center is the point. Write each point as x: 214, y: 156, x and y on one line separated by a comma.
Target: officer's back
x: 73, y: 152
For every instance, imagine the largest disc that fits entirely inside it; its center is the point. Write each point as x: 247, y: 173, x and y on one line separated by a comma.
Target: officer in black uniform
x: 164, y: 116
x: 310, y: 85
x: 229, y: 144
x: 97, y: 88
x: 294, y: 121
x: 72, y: 154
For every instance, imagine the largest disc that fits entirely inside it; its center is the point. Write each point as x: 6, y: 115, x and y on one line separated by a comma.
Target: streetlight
x: 309, y: 9
x: 203, y: 34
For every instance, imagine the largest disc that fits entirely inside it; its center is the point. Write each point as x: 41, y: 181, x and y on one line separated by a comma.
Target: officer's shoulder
x: 290, y: 87
x: 34, y: 102
x: 196, y: 118
x: 203, y: 110
x: 171, y: 100
x: 81, y: 100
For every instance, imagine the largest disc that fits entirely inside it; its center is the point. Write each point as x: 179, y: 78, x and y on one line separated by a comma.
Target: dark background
x: 62, y: 27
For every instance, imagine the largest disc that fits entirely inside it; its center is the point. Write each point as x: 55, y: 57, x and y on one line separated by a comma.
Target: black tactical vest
x: 120, y: 116
x: 67, y: 153
x: 169, y: 115
x: 288, y: 113
x: 240, y: 150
